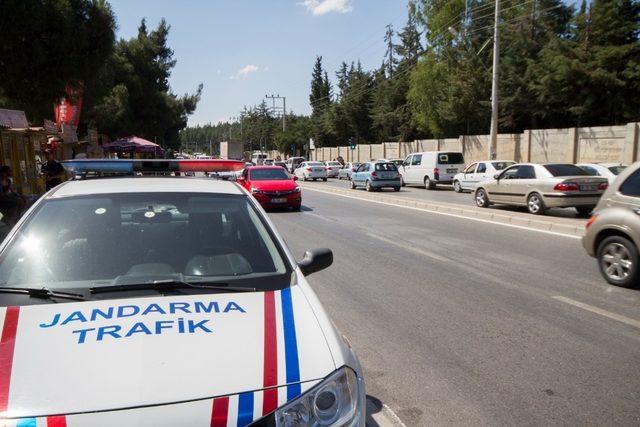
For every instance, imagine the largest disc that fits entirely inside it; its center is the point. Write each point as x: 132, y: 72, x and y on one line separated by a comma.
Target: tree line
x: 560, y: 66
x: 49, y: 48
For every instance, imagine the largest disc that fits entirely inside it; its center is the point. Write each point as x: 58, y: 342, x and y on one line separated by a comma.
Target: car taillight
x: 308, y: 169
x: 436, y: 171
x: 567, y: 186
x: 374, y: 175
x: 591, y: 221
x: 603, y: 186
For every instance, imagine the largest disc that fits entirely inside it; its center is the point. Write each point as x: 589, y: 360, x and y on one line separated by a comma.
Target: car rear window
x: 631, y: 186
x: 565, y: 170
x: 450, y: 158
x: 502, y: 165
x: 386, y: 167
x: 616, y: 170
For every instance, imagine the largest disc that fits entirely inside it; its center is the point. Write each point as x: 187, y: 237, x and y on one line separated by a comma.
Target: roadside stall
x: 19, y: 146
x: 134, y: 147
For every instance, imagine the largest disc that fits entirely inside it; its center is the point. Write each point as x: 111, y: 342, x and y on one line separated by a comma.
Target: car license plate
x: 318, y: 170
x: 588, y: 187
x: 280, y: 200
x: 452, y: 170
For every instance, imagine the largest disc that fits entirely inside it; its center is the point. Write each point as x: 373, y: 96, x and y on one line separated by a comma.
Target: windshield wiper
x: 44, y: 293
x: 169, y: 285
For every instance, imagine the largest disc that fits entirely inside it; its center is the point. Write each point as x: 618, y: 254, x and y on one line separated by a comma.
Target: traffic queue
x: 607, y: 193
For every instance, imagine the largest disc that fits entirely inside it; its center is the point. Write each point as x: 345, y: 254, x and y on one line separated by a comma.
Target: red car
x: 272, y: 186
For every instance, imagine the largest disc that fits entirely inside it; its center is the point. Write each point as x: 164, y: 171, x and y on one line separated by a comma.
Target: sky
x: 242, y: 50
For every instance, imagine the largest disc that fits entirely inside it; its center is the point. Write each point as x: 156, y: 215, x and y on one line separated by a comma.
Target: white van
x: 431, y: 168
x: 258, y: 158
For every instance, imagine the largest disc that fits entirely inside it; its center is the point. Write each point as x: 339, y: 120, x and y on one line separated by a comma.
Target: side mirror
x: 496, y: 176
x: 295, y: 178
x: 315, y: 260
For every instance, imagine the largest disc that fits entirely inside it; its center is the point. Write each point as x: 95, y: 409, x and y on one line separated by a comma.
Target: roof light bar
x: 124, y: 166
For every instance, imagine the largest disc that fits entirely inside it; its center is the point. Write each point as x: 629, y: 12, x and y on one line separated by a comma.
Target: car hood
x: 275, y: 185
x: 126, y: 353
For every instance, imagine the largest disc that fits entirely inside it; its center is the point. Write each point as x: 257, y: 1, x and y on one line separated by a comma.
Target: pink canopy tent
x: 133, y: 144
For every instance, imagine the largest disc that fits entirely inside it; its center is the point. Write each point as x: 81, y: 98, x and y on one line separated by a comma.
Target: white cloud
x: 321, y: 7
x: 248, y: 69
x: 244, y: 71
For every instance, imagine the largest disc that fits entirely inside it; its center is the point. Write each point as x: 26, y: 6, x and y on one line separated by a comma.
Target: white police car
x: 159, y: 301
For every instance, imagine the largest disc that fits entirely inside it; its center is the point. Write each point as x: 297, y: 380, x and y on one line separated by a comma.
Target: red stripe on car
x: 270, y: 399
x: 57, y: 421
x: 7, y: 345
x: 219, y: 412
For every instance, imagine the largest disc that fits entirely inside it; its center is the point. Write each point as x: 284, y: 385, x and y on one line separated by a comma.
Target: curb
x: 453, y: 209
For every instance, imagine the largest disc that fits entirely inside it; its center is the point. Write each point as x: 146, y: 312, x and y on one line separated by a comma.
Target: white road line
x: 488, y: 221
x: 409, y: 248
x: 597, y: 310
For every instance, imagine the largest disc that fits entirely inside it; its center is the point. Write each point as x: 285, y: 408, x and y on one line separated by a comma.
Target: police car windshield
x: 82, y: 242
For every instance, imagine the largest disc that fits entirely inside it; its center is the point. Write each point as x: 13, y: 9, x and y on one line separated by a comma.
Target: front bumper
x: 267, y: 200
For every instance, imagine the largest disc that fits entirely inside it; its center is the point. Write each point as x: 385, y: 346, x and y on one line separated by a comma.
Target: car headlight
x: 296, y: 190
x: 336, y: 401
x: 255, y: 191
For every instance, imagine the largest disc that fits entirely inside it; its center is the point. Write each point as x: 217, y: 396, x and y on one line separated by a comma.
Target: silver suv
x: 613, y: 232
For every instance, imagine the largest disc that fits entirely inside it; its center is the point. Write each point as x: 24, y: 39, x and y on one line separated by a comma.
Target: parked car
x: 272, y: 187
x: 376, y: 175
x: 478, y: 171
x: 613, y: 231
x: 333, y: 168
x: 281, y: 164
x: 347, y: 170
x: 293, y: 163
x: 542, y: 186
x: 606, y: 170
x: 311, y: 170
x: 431, y: 168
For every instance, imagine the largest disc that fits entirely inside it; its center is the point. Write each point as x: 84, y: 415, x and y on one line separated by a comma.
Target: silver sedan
x: 347, y: 170
x: 542, y: 186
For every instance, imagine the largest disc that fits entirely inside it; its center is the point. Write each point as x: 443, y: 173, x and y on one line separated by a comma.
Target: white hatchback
x: 478, y: 172
x: 164, y: 301
x: 311, y: 170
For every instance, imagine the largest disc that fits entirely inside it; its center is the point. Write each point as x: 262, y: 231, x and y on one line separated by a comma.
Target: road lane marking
x: 409, y: 248
x: 488, y: 221
x: 600, y: 311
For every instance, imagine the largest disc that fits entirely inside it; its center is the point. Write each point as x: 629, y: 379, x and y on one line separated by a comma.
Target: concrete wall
x: 573, y: 145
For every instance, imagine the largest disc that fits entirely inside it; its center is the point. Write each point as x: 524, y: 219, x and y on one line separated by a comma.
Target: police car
x: 142, y: 300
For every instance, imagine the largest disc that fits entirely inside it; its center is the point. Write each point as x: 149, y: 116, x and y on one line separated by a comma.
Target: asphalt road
x: 445, y: 194
x: 458, y: 322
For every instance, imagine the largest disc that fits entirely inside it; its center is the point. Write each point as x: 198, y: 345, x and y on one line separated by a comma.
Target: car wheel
x: 482, y: 200
x: 618, y: 261
x: 428, y: 184
x: 535, y: 204
x: 324, y: 179
x: 368, y: 186
x: 396, y: 188
x: 584, y: 211
x: 457, y: 187
x: 296, y: 208
x: 353, y: 185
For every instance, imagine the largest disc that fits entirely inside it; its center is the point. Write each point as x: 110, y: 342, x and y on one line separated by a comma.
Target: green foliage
x: 139, y: 101
x: 48, y: 45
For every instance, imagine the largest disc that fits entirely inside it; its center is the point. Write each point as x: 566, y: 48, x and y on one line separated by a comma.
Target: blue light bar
x: 126, y: 166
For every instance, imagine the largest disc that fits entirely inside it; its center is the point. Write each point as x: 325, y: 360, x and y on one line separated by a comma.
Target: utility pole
x: 493, y: 134
x: 284, y: 108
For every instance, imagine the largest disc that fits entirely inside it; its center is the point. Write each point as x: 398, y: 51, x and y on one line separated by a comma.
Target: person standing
x: 52, y: 170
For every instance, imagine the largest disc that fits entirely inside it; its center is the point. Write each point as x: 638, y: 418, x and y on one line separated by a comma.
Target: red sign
x: 67, y: 109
